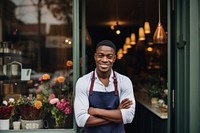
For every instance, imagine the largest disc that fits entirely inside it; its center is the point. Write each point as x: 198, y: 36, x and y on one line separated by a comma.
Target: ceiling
x: 131, y: 14
x: 127, y: 12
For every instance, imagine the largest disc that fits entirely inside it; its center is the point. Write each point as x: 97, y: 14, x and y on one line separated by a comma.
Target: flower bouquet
x: 59, y: 102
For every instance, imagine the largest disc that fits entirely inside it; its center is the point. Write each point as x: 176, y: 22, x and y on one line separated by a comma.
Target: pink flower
x: 52, y: 96
x: 68, y: 110
x: 40, y: 79
x: 39, y: 90
x: 29, y: 98
x: 60, y: 105
x: 54, y: 101
x: 64, y: 101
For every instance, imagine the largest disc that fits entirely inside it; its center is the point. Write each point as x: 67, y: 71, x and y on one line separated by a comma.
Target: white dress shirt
x: 81, y: 103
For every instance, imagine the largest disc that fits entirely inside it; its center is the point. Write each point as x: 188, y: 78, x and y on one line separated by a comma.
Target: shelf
x: 10, y: 54
x: 143, y: 99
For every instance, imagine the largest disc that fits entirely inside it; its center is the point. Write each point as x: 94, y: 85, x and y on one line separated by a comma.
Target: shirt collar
x: 110, y: 78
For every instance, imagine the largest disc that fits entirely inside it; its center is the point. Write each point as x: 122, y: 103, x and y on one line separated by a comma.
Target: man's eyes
x: 109, y: 56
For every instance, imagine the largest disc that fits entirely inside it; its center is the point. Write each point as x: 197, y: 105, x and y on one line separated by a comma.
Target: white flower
x: 11, y: 100
x: 166, y: 91
x: 5, y: 102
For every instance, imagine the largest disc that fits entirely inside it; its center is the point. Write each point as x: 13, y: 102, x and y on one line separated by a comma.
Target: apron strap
x: 114, y: 81
x: 92, y: 83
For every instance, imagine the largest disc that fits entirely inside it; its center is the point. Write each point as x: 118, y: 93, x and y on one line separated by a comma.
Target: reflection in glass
x: 40, y: 33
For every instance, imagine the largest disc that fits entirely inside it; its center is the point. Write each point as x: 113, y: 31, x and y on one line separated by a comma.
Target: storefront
x: 43, y: 37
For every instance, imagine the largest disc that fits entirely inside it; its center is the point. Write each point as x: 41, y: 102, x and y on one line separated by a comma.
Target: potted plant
x: 6, y: 111
x: 32, y: 110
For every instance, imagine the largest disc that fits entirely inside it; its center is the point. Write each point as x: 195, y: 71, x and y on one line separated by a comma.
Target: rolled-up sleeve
x: 81, y: 103
x: 127, y: 92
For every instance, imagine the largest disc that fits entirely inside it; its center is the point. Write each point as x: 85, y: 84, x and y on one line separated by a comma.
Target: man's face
x: 104, y: 58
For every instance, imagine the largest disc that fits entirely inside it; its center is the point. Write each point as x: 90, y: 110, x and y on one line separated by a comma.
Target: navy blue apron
x: 104, y: 100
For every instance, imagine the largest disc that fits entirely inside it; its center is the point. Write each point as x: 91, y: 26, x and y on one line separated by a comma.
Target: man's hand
x: 91, y: 111
x: 125, y: 104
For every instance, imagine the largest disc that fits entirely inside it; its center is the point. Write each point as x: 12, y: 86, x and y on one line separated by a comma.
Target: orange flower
x: 61, y: 79
x: 38, y: 104
x: 69, y: 63
x: 45, y: 76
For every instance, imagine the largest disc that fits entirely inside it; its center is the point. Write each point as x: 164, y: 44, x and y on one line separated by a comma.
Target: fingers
x: 126, y: 99
x: 125, y: 104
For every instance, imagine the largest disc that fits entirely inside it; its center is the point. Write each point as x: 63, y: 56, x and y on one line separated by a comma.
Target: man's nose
x: 104, y: 58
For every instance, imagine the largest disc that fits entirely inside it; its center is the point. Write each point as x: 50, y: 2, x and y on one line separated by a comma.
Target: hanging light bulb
x: 147, y: 29
x: 117, y: 28
x: 141, y: 34
x: 118, y: 32
x: 159, y: 36
x: 133, y: 39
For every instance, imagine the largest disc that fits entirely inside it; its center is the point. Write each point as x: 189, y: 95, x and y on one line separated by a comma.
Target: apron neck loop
x: 114, y: 81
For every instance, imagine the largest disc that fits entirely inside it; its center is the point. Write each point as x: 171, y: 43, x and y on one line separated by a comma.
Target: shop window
x: 36, y: 60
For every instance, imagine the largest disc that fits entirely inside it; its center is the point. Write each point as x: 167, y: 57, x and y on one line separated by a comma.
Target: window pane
x: 37, y: 40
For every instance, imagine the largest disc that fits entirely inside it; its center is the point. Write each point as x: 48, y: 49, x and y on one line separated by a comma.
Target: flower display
x: 35, y: 107
x: 7, y: 108
x: 60, y: 109
x: 58, y: 102
x: 32, y: 108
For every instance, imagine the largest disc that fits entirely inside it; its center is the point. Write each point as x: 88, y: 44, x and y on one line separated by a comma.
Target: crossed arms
x: 102, y: 116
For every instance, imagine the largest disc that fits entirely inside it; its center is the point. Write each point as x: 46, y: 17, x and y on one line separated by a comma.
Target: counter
x: 142, y: 97
x: 148, y: 118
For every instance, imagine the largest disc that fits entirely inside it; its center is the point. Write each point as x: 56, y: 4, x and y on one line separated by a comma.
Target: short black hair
x: 106, y: 43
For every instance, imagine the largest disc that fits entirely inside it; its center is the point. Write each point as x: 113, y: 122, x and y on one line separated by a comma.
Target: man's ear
x: 115, y: 58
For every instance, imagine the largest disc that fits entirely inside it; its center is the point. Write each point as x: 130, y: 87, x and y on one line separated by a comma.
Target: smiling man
x: 104, y: 99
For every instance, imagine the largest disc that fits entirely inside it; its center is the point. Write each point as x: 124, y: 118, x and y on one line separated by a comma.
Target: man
x: 104, y: 99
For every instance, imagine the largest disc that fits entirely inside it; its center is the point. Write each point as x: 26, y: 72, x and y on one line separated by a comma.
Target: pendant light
x: 159, y: 36
x: 128, y: 42
x: 147, y: 29
x: 141, y: 34
x: 133, y: 39
x: 117, y: 27
x: 117, y: 30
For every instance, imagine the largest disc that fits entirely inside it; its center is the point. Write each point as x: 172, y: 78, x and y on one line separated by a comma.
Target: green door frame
x: 170, y: 70
x: 76, y: 44
x: 186, y: 66
x: 194, y: 66
x: 76, y: 48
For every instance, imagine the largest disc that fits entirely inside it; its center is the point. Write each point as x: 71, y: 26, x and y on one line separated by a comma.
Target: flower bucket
x: 32, y: 124
x: 4, y: 124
